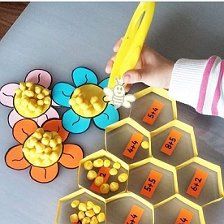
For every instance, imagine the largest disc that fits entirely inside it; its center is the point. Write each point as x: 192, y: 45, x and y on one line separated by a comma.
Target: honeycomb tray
x: 167, y: 182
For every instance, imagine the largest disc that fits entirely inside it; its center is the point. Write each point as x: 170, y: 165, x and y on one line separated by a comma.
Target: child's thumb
x: 133, y: 76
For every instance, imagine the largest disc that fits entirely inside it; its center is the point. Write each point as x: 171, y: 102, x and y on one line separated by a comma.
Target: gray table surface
x: 60, y: 36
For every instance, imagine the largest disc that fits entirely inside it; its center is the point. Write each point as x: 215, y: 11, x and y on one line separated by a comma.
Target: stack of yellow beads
x: 105, y: 188
x: 86, y: 212
x: 43, y: 148
x: 87, y: 101
x: 31, y: 100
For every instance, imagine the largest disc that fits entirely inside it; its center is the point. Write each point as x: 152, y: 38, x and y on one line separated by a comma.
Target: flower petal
x: 56, y: 125
x: 49, y: 114
x: 71, y: 156
x: 44, y: 174
x: 23, y: 129
x: 104, y: 83
x: 109, y: 116
x: 7, y: 93
x: 61, y: 93
x: 82, y: 75
x: 14, y: 117
x: 14, y: 158
x: 72, y: 122
x: 40, y: 77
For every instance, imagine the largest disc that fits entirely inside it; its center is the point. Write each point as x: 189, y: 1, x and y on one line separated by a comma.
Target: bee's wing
x: 126, y: 104
x: 129, y: 98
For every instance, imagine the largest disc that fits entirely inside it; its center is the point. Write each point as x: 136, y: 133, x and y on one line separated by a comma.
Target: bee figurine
x: 117, y: 96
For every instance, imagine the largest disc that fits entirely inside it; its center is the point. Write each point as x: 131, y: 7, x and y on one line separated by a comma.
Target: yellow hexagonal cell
x: 128, y: 141
x: 174, y: 143
x: 79, y: 207
x: 200, y: 181
x: 178, y: 210
x: 153, y: 180
x: 103, y: 173
x: 129, y: 208
x: 153, y: 108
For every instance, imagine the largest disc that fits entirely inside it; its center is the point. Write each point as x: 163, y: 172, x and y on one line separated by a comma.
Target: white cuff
x: 186, y: 80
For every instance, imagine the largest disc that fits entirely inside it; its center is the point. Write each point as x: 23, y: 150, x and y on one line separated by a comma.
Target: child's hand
x: 152, y: 68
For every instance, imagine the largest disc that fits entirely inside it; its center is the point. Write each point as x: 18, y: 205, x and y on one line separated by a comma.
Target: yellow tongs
x: 133, y: 41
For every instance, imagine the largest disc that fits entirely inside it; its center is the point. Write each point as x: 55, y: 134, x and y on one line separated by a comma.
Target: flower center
x: 31, y: 100
x: 43, y: 148
x: 87, y: 101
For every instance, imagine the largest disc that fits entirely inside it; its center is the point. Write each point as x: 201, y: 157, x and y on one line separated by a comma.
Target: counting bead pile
x: 92, y: 175
x: 31, y: 100
x: 86, y: 212
x: 43, y: 148
x: 87, y: 101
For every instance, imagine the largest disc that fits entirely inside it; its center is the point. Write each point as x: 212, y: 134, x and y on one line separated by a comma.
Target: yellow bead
x: 22, y: 86
x: 82, y: 207
x: 40, y: 130
x: 58, y: 139
x: 77, y: 92
x: 40, y: 96
x: 47, y: 135
x: 145, y: 145
x: 123, y: 177
x: 90, y: 213
x: 114, y: 186
x: 53, y: 143
x: 91, y: 175
x: 104, y: 188
x: 94, y: 220
x: 88, y: 165
x: 98, y: 181
x: 93, y: 99
x: 74, y: 218
x: 29, y: 93
x: 37, y: 135
x: 46, y: 92
x: 48, y: 150
x: 98, y: 163
x: 40, y: 102
x: 101, y: 217
x: 18, y: 91
x: 106, y: 163
x: 75, y: 203
x: 113, y: 172
x: 117, y: 165
x: 96, y: 209
x: 89, y: 205
x: 39, y: 147
x: 29, y: 84
x: 81, y: 215
x: 47, y: 100
x: 37, y: 89
x: 45, y: 141
x: 86, y: 220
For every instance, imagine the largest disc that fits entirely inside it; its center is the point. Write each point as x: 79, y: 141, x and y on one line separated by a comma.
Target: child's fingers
x: 134, y: 76
x: 109, y: 66
x: 117, y: 45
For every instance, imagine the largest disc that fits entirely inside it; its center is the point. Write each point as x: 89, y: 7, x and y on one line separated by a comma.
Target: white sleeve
x: 200, y: 84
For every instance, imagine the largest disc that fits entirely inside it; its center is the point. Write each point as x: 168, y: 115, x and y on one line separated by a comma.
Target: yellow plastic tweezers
x: 133, y: 41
